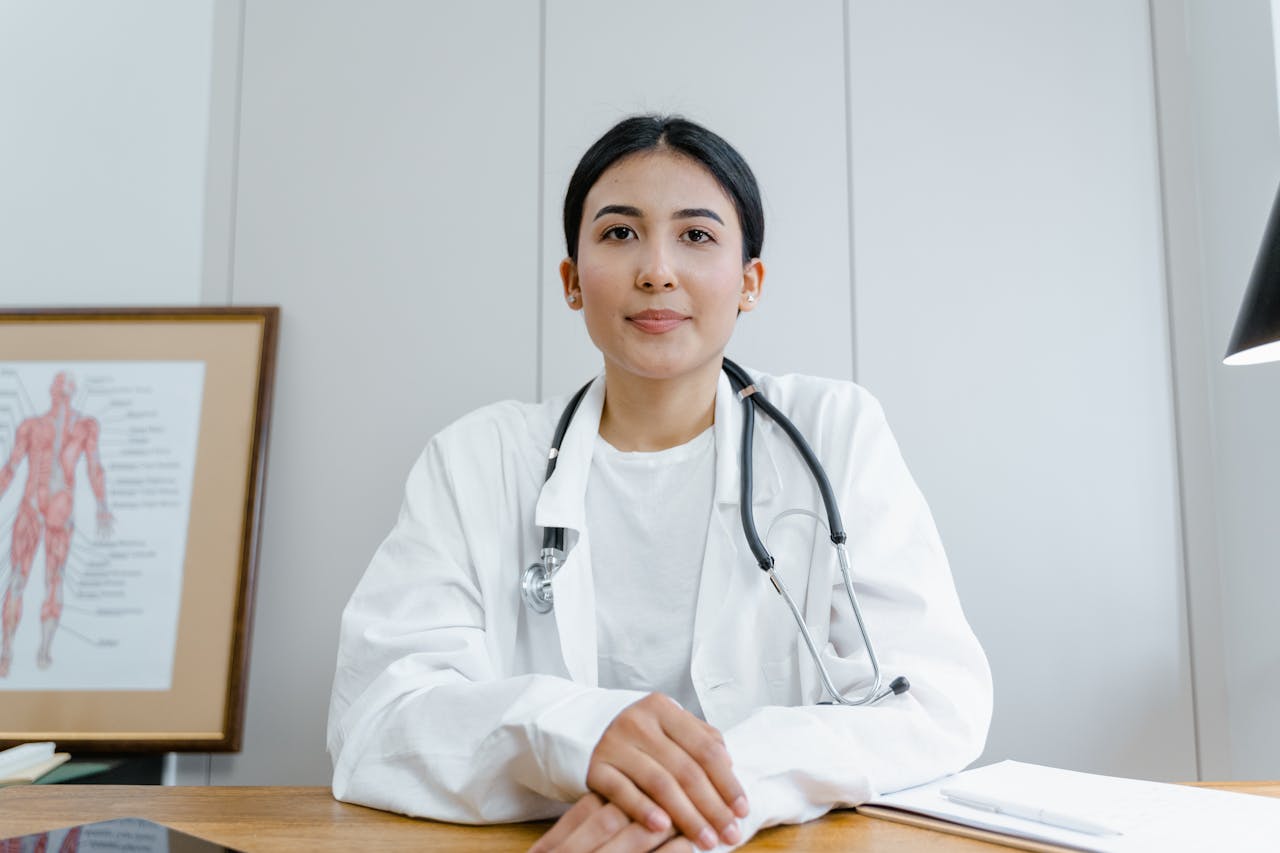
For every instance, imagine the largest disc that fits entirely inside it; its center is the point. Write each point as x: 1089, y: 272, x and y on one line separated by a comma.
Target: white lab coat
x: 454, y: 701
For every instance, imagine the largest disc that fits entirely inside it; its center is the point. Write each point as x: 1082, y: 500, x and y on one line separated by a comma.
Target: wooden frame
x: 160, y: 415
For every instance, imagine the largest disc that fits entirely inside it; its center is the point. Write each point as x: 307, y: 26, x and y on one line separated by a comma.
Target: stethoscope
x: 535, y: 581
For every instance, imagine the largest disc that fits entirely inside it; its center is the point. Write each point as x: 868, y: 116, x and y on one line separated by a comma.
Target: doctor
x: 667, y: 701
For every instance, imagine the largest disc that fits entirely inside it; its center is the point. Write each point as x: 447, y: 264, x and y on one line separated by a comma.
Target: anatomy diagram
x: 95, y: 501
x: 52, y: 445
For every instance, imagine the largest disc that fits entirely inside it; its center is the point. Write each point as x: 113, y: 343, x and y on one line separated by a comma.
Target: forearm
x: 468, y: 751
x: 799, y: 762
x: 98, y: 482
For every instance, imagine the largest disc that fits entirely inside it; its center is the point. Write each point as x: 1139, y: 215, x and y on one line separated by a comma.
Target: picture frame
x: 133, y: 447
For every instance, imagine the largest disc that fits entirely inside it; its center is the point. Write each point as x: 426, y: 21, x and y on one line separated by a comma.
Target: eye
x: 618, y: 232
x: 697, y: 235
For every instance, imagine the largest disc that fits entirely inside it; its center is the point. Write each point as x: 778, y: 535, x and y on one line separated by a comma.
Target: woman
x: 667, y: 696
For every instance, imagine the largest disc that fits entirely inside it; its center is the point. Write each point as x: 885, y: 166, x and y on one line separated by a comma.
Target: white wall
x: 964, y: 213
x: 1237, y: 164
x: 104, y: 116
x: 1011, y: 316
x: 393, y: 215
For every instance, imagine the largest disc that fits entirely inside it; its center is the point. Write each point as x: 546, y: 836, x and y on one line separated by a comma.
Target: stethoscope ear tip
x: 899, y: 685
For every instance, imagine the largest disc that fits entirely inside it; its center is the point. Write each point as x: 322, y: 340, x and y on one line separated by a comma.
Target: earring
x: 751, y: 297
x: 573, y: 297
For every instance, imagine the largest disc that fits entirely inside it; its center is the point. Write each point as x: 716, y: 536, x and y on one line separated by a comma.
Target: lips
x: 656, y: 322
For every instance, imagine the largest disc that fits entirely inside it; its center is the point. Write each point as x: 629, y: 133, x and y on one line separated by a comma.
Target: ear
x: 569, y: 278
x: 752, y: 285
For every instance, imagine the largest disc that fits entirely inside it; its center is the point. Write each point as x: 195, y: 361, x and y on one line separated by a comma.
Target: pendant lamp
x: 1257, y: 334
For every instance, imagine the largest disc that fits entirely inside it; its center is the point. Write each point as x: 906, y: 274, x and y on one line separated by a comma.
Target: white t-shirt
x: 648, y: 516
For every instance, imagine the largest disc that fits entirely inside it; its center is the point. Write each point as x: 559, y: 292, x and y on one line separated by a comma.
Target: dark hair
x: 650, y: 132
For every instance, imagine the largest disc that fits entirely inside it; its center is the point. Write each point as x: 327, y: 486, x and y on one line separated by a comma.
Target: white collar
x: 562, y: 502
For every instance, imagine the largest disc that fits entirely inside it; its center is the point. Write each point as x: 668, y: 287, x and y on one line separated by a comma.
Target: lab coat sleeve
x: 798, y: 762
x: 421, y: 720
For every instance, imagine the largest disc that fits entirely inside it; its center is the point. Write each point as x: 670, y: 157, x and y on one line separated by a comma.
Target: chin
x: 658, y: 369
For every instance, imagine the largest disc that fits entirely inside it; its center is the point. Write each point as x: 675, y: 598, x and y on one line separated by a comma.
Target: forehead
x: 659, y: 182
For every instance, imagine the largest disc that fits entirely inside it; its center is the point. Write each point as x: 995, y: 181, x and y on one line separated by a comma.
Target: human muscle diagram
x: 96, y: 465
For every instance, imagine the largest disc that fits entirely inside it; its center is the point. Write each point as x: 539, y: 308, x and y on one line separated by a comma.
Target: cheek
x: 724, y: 279
x: 595, y: 275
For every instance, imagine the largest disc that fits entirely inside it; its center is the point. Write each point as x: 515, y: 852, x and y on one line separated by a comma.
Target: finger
x: 636, y: 839
x: 679, y: 844
x: 603, y: 824
x: 705, y: 745
x: 568, y: 822
x: 611, y: 784
x: 713, y: 817
x: 662, y: 782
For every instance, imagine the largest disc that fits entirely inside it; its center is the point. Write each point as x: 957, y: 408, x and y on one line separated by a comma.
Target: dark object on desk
x: 108, y: 770
x: 1257, y: 334
x: 112, y: 836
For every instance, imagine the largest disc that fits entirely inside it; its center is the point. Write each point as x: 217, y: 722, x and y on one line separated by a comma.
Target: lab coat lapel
x: 562, y: 503
x: 727, y: 563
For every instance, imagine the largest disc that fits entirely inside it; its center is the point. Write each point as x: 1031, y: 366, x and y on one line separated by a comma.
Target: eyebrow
x: 683, y: 213
x: 620, y: 209
x: 698, y: 212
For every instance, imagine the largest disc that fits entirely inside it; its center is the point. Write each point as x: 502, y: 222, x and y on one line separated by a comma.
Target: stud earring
x: 573, y: 297
x: 751, y: 297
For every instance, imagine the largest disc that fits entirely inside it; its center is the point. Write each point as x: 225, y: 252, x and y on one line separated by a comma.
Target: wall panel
x: 388, y: 201
x: 1011, y: 316
x: 1237, y: 167
x: 104, y: 117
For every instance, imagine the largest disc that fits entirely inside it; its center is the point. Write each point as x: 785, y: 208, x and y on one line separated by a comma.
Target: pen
x: 992, y: 804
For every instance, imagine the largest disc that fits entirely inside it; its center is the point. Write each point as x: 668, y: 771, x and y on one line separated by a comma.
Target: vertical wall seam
x: 235, y: 161
x: 234, y: 211
x: 848, y: 166
x: 1175, y: 395
x: 542, y: 172
x: 235, y: 214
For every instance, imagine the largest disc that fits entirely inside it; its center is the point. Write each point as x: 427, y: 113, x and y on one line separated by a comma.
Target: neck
x: 643, y: 414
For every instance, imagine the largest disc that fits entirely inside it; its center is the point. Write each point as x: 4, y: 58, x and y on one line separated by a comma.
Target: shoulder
x: 841, y: 420
x: 33, y: 427
x: 85, y: 425
x: 818, y: 400
x: 496, y: 436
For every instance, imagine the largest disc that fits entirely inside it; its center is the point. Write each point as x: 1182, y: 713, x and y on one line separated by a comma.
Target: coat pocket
x: 782, y: 679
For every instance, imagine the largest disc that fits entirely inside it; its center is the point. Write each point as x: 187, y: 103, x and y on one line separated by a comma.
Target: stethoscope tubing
x: 535, y: 581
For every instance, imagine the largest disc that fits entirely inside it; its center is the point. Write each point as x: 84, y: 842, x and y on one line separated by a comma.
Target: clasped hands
x: 659, y: 779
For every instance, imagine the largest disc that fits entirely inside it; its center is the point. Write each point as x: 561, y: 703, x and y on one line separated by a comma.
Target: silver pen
x: 1039, y: 815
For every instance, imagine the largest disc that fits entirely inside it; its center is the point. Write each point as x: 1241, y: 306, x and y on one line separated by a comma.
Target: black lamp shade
x: 1257, y: 334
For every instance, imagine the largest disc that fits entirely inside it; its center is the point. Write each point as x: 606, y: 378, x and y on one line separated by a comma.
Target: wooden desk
x: 291, y: 819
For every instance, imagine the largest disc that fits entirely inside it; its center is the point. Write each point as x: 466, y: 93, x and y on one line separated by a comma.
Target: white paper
x: 15, y: 759
x: 1151, y: 815
x: 120, y: 590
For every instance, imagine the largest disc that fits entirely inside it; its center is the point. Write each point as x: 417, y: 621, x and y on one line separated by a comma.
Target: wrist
x: 565, y: 736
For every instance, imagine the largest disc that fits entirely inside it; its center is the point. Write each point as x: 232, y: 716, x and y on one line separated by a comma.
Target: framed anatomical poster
x: 132, y: 452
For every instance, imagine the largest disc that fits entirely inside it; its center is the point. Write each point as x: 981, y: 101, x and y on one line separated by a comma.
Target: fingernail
x: 731, y: 834
x: 740, y: 807
x: 658, y: 821
x: 706, y: 838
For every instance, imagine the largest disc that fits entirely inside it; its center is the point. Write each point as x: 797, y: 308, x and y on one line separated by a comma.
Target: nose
x: 655, y: 271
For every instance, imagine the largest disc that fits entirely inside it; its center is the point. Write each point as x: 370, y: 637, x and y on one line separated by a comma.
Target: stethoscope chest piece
x: 535, y: 588
x: 535, y: 581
